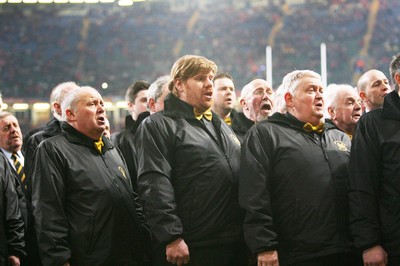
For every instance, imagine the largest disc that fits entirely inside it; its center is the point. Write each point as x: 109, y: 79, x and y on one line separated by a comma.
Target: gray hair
x: 291, y: 81
x: 58, y: 94
x: 156, y: 88
x: 331, y: 96
x: 4, y: 114
x: 72, y: 98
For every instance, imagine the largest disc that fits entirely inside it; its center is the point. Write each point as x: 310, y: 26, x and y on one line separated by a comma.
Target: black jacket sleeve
x: 365, y: 175
x: 156, y: 191
x: 48, y: 201
x: 254, y: 194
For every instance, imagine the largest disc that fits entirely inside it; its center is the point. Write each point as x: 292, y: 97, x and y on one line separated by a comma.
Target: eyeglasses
x: 261, y: 92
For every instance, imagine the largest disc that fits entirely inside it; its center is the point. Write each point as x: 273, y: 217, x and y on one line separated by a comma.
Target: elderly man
x: 342, y: 107
x: 11, y: 222
x: 372, y: 87
x: 293, y: 182
x: 256, y: 100
x: 156, y: 94
x: 10, y: 146
x: 188, y: 161
x: 374, y: 184
x: 84, y: 207
x: 224, y: 97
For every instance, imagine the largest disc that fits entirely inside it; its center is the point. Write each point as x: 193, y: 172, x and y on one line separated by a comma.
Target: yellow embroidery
x: 341, y: 146
x: 122, y: 171
x: 235, y: 139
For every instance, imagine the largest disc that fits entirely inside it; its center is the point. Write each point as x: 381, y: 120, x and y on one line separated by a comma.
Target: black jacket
x: 11, y: 222
x: 240, y: 124
x: 125, y: 141
x: 187, y: 177
x: 293, y: 186
x: 375, y: 178
x: 84, y: 207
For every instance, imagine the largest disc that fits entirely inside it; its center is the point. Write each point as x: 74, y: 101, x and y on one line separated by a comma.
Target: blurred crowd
x: 99, y: 44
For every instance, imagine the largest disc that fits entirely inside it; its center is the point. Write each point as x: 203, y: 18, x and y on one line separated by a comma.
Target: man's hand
x: 268, y: 258
x: 14, y: 261
x: 375, y: 256
x: 177, y: 252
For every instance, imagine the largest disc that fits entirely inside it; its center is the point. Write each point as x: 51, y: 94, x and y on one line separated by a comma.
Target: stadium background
x: 109, y: 46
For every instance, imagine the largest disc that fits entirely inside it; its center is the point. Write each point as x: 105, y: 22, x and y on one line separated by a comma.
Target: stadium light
x: 60, y: 1
x: 20, y: 106
x: 3, y: 1
x: 108, y: 105
x: 122, y: 104
x: 76, y: 1
x: 15, y: 1
x: 107, y: 1
x: 4, y: 106
x: 30, y: 1
x: 46, y: 1
x: 125, y: 2
x: 41, y: 106
x: 91, y: 1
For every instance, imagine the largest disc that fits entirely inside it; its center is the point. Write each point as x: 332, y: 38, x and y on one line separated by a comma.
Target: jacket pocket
x: 81, y: 235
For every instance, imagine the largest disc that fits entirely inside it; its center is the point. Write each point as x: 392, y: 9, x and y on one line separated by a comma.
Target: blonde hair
x: 189, y: 66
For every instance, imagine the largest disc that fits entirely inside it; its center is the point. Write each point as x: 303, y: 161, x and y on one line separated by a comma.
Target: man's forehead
x: 311, y: 81
x: 8, y: 119
x: 223, y: 81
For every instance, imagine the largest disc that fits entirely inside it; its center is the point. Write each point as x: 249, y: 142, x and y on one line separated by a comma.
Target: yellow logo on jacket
x: 122, y: 171
x: 235, y: 139
x: 341, y: 146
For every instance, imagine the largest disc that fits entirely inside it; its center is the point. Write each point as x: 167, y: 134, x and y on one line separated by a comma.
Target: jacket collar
x: 391, y: 106
x: 289, y: 120
x: 176, y: 108
x: 240, y: 122
x: 74, y: 136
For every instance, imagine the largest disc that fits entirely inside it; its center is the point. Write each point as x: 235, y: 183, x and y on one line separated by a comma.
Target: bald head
x: 372, y: 87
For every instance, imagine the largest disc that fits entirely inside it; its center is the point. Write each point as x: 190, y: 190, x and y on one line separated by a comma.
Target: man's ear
x: 397, y: 79
x: 57, y: 108
x: 242, y: 103
x: 331, y: 112
x: 178, y: 84
x: 288, y: 99
x: 70, y: 115
x: 363, y: 96
x: 152, y: 105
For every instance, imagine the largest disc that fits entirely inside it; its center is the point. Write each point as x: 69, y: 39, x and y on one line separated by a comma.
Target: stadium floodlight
x: 41, y: 106
x: 107, y: 1
x: 125, y: 2
x: 91, y: 1
x: 20, y: 106
x: 60, y: 1
x: 122, y: 104
x: 46, y: 1
x: 30, y: 1
x: 76, y: 1
x: 139, y: 0
x: 3, y: 1
x: 4, y: 105
x: 14, y: 1
x: 108, y: 105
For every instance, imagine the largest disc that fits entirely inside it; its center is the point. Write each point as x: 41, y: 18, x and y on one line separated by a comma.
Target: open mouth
x: 266, y: 107
x: 320, y: 105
